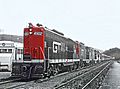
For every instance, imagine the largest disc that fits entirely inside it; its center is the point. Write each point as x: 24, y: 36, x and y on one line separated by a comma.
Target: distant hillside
x: 114, y: 52
x: 14, y: 38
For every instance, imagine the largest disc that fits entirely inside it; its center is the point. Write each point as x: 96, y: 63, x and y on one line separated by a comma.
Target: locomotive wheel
x: 56, y: 70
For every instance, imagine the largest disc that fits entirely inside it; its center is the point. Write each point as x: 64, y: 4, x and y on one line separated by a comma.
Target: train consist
x: 47, y: 52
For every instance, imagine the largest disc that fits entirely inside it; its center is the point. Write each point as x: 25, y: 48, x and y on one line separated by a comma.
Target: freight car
x: 48, y: 52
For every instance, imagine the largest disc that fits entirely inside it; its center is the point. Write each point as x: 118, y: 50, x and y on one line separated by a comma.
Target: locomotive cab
x: 34, y: 43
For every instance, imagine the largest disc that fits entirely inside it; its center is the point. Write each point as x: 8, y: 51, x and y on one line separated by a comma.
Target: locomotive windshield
x: 26, y: 33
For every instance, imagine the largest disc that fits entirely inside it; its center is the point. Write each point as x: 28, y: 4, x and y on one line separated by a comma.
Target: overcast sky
x: 93, y: 22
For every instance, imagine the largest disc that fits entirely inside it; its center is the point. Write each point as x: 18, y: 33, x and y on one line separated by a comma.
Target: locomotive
x: 48, y: 52
x: 8, y: 52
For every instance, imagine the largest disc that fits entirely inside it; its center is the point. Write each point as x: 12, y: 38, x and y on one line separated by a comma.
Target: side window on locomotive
x: 26, y: 34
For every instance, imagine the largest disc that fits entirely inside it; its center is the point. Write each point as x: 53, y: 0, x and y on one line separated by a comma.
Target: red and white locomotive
x: 46, y: 52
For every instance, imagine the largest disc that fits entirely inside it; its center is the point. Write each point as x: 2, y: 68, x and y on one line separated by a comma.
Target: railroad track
x: 10, y: 83
x: 56, y: 81
x: 16, y: 84
x: 4, y: 82
x: 97, y: 79
x: 84, y: 80
x: 8, y: 80
x: 48, y: 83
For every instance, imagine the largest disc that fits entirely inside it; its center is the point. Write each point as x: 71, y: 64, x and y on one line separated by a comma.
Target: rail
x: 8, y: 81
x: 79, y: 76
x: 95, y: 77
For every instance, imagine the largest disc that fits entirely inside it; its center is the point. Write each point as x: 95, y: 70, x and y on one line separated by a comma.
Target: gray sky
x: 94, y: 22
